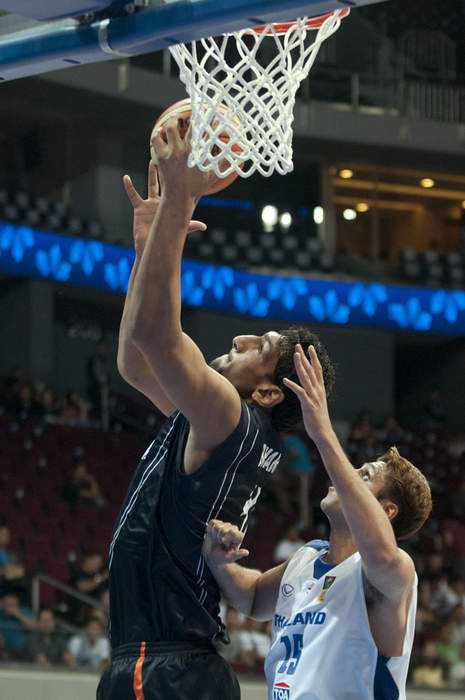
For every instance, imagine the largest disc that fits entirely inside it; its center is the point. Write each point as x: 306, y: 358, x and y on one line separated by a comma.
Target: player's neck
x: 341, y: 546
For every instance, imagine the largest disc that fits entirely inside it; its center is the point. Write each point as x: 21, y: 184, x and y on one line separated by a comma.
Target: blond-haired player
x: 343, y: 611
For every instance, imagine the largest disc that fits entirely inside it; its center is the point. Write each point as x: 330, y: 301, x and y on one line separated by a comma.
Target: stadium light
x: 269, y: 215
x: 349, y: 214
x: 346, y: 173
x: 318, y: 215
x: 427, y: 182
x: 285, y: 219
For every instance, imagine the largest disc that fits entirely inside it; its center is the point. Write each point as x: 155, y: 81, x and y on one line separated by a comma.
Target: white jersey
x: 322, y: 647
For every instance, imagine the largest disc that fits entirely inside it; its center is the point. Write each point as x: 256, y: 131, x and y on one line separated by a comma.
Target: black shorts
x: 172, y: 671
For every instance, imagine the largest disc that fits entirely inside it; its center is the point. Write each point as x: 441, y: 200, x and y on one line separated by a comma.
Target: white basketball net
x: 258, y: 95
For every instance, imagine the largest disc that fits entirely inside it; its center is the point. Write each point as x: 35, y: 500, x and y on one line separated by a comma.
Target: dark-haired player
x: 210, y: 459
x: 343, y: 611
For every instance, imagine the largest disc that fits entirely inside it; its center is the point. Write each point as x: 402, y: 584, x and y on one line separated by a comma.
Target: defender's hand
x: 222, y: 543
x: 145, y: 209
x: 311, y: 393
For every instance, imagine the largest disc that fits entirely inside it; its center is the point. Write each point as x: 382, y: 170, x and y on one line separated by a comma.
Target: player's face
x: 251, y: 360
x: 370, y: 473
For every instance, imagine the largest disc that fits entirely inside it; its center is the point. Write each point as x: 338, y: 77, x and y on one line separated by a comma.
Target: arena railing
x: 63, y: 588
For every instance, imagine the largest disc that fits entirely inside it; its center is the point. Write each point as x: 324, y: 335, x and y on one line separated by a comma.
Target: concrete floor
x: 29, y: 683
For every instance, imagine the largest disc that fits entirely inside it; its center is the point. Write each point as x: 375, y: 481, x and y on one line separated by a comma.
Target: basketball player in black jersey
x: 210, y: 459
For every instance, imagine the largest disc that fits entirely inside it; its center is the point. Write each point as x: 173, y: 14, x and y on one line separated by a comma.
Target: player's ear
x: 390, y: 508
x: 267, y: 395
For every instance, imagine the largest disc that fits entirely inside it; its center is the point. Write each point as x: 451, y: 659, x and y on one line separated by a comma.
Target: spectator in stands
x: 234, y: 622
x: 456, y: 446
x: 11, y: 570
x: 103, y: 615
x: 24, y: 404
x: 457, y: 671
x: 434, y: 566
x: 457, y: 622
x: 425, y: 620
x: 98, y: 377
x: 82, y: 487
x: 454, y: 539
x: 430, y: 672
x: 255, y: 644
x: 458, y: 589
x: 90, y: 648
x: 75, y: 411
x: 435, y: 409
x: 446, y: 649
x: 46, y: 645
x: 92, y: 577
x: 296, y: 454
x: 15, y: 623
x: 50, y: 404
x: 362, y: 428
x: 391, y: 432
x: 457, y: 501
x: 289, y: 544
x: 441, y: 597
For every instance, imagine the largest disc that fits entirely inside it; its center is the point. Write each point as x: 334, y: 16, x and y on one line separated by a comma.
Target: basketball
x: 183, y: 110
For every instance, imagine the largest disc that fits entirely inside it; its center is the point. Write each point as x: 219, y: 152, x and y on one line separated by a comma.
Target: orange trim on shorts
x: 137, y: 682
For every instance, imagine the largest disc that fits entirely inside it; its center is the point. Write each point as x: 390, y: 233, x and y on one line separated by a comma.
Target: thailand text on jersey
x: 322, y: 647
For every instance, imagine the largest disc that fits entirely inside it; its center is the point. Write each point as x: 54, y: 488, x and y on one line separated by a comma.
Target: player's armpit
x: 267, y: 591
x: 208, y: 400
x: 393, y: 577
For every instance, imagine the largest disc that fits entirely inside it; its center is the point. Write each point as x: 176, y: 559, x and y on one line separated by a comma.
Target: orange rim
x: 311, y: 23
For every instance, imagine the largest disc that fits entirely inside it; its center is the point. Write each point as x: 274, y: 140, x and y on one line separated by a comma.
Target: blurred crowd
x: 25, y: 397
x: 74, y: 632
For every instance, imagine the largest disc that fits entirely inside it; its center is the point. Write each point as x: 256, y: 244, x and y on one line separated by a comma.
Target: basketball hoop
x: 259, y: 92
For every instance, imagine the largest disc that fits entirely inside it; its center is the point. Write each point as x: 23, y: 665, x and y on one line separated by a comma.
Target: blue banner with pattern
x: 32, y: 253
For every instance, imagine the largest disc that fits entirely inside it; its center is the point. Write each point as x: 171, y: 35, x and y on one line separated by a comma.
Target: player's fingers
x: 153, y: 186
x: 131, y: 191
x: 296, y: 388
x: 188, y: 138
x: 305, y: 374
x: 159, y: 145
x: 196, y: 226
x: 232, y: 537
x: 236, y: 554
x: 173, y: 136
x: 316, y: 364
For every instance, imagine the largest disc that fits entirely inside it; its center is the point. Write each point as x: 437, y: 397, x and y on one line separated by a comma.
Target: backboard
x: 55, y: 34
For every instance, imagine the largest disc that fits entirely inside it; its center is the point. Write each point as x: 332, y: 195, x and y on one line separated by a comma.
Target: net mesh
x: 243, y: 86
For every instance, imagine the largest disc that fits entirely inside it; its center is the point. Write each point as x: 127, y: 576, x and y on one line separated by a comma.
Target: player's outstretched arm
x: 132, y: 364
x: 208, y: 400
x: 387, y: 567
x: 248, y: 590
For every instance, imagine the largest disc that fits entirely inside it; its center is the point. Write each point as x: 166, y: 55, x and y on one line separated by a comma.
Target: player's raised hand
x: 222, y: 543
x: 172, y: 155
x: 144, y: 210
x: 311, y: 393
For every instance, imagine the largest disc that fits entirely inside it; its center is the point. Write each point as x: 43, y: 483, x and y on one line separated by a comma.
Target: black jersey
x: 160, y: 588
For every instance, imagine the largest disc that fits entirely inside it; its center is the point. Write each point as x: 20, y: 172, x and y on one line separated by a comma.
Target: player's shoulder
x: 317, y: 545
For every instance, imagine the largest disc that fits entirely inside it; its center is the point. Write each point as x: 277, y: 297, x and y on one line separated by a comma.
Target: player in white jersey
x: 343, y: 611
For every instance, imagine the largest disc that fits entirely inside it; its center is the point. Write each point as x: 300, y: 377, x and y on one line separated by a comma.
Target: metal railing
x: 64, y: 588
